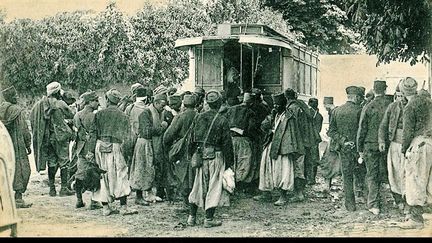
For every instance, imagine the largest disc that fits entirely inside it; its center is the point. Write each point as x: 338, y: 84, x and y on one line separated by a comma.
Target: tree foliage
x: 87, y: 50
x: 322, y: 24
x: 394, y: 30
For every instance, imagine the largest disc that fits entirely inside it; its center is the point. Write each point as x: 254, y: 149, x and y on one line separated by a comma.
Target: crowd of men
x: 126, y: 146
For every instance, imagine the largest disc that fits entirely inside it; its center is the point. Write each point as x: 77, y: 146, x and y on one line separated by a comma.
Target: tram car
x: 251, y: 56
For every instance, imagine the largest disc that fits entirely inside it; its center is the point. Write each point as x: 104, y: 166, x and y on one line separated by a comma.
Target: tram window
x: 268, y: 65
x: 301, y: 78
x: 308, y: 80
x: 211, y: 66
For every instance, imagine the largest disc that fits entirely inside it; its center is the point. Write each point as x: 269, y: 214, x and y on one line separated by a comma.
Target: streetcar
x: 251, y: 56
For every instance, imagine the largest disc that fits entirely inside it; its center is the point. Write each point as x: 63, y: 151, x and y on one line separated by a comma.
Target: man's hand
x: 89, y: 156
x: 381, y: 147
x: 164, y: 124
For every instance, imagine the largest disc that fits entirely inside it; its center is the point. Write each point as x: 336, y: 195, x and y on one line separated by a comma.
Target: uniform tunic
x: 343, y: 129
x: 84, y: 122
x: 178, y: 129
x: 390, y: 134
x: 242, y: 118
x: 367, y: 142
x: 207, y: 188
x: 417, y: 146
x: 111, y: 126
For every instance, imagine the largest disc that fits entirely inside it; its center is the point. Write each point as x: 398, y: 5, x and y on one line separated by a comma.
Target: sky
x: 37, y: 9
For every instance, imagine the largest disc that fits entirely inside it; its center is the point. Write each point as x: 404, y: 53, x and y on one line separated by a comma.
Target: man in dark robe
x: 177, y: 130
x: 51, y: 137
x: 312, y: 164
x: 13, y: 117
x: 288, y: 151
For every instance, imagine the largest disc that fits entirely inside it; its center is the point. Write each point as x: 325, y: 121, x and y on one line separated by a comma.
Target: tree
x: 249, y: 11
x: 322, y: 23
x: 394, y: 30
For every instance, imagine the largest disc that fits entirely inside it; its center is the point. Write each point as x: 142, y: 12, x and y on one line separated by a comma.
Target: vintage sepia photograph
x: 215, y: 118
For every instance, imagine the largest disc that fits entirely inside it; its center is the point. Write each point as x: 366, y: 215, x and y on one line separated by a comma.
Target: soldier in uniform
x: 417, y: 148
x: 242, y: 122
x: 343, y: 131
x: 213, y: 129
x: 312, y: 163
x: 178, y: 129
x: 84, y: 122
x: 390, y: 141
x: 367, y: 145
x: 148, y: 163
x: 111, y: 126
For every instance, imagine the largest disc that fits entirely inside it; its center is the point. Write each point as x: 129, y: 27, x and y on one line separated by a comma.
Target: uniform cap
x: 113, y: 95
x: 189, y: 99
x: 213, y: 96
x: 379, y: 85
x: 328, y: 100
x: 353, y: 90
x: 174, y: 99
x: 89, y: 96
x: 161, y: 96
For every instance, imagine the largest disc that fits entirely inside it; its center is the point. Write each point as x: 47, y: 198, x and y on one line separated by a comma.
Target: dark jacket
x: 317, y: 120
x: 288, y: 136
x: 243, y: 117
x: 146, y: 128
x: 370, y: 120
x: 417, y: 120
x: 310, y: 135
x: 389, y: 124
x: 84, y: 122
x: 344, y: 124
x: 111, y: 122
x: 179, y: 126
x: 219, y: 135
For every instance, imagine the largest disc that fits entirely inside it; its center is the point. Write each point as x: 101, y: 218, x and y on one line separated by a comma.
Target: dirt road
x: 322, y: 214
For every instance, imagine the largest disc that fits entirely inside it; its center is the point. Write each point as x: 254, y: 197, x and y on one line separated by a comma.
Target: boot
x: 94, y: 205
x: 107, y: 210
x: 208, y: 223
x: 264, y: 197
x: 191, y: 221
x: 124, y: 210
x: 140, y: 200
x: 80, y: 203
x: 282, y: 199
x: 51, y: 179
x: 64, y: 191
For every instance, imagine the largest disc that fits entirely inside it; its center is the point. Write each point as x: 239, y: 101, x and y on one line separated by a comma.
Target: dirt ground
x: 321, y: 215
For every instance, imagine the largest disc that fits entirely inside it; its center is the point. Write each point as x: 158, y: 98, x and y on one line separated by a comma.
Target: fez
x: 135, y: 86
x: 328, y: 100
x: 290, y: 93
